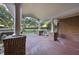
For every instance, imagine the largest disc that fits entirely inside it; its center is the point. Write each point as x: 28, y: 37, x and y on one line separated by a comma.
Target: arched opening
x: 30, y: 25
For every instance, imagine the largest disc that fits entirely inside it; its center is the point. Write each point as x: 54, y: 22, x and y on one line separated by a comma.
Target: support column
x: 55, y: 25
x: 17, y: 19
x: 52, y: 31
x: 39, y: 27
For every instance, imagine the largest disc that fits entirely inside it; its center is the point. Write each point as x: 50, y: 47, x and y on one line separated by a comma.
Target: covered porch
x: 59, y: 40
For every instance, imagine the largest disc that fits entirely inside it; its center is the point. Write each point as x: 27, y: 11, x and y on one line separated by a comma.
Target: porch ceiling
x: 49, y: 10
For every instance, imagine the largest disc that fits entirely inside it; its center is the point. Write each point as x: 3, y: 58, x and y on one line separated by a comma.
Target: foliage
x: 29, y: 22
x: 5, y: 17
x: 49, y: 26
x: 32, y: 23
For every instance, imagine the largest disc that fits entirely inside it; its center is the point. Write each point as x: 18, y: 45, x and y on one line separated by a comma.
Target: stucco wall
x: 70, y: 27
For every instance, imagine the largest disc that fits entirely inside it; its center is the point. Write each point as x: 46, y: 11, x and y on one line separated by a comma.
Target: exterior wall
x: 69, y: 27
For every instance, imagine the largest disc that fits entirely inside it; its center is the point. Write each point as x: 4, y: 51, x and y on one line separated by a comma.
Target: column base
x: 55, y: 36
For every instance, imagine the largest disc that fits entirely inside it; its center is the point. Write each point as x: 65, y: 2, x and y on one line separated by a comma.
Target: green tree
x: 28, y: 22
x: 5, y: 17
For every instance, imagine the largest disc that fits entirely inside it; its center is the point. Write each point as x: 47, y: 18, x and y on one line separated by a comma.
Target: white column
x: 56, y: 25
x: 39, y: 27
x: 14, y: 21
x: 52, y: 26
x: 17, y: 19
x: 55, y: 22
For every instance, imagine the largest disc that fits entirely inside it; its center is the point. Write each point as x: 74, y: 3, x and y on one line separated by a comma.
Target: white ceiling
x: 49, y: 10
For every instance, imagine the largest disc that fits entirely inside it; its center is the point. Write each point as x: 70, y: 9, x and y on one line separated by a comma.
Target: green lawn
x: 30, y: 31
